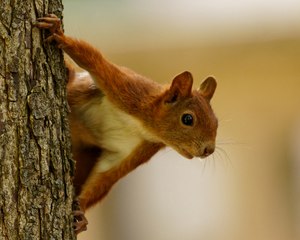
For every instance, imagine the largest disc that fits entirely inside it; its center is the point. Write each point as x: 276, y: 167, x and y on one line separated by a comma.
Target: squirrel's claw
x: 43, y: 25
x: 80, y: 222
x: 50, y: 18
x: 53, y: 24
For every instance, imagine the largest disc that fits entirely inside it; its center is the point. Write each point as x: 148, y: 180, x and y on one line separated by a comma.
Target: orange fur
x: 120, y: 119
x: 96, y: 191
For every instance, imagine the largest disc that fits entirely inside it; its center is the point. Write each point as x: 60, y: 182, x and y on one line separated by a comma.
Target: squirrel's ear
x: 181, y: 87
x: 208, y: 87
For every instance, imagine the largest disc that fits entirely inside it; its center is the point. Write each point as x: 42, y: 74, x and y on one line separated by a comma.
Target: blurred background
x: 250, y: 188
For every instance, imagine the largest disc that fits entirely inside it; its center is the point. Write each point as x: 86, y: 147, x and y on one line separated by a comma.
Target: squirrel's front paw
x: 53, y: 24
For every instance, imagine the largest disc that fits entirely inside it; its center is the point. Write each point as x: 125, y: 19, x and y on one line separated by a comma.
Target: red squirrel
x: 120, y: 119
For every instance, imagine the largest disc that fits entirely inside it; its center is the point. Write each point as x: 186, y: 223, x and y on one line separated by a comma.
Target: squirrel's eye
x: 187, y: 119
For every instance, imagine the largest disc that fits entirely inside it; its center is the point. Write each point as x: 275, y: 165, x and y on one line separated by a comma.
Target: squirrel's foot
x: 53, y: 24
x: 80, y: 221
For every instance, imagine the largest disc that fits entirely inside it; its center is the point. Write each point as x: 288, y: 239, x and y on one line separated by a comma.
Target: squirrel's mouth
x: 184, y: 153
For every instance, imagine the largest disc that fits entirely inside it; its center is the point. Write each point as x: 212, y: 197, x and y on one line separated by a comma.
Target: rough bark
x: 35, y: 165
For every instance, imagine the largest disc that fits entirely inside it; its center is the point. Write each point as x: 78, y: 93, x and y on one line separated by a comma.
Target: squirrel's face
x: 185, y: 120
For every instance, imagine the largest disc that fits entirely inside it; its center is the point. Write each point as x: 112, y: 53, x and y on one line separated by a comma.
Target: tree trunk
x: 36, y: 190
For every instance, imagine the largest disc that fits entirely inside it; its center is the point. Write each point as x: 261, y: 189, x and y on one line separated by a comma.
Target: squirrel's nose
x: 208, y: 149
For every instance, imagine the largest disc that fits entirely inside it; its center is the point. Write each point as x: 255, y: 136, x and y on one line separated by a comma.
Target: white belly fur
x: 117, y: 132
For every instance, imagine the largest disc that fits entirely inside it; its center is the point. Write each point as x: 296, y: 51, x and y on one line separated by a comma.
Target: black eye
x: 187, y: 119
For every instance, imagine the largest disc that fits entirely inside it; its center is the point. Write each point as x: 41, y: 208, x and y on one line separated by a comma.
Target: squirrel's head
x: 184, y: 119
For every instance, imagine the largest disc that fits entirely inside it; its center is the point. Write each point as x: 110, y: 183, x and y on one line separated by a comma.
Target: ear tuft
x: 208, y: 87
x: 181, y: 87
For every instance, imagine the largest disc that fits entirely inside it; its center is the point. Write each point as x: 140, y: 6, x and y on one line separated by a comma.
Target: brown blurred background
x: 250, y: 188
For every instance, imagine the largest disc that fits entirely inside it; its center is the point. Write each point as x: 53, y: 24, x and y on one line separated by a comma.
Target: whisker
x: 204, y: 161
x: 229, y: 142
x: 217, y: 155
x: 222, y: 121
x: 222, y: 153
x: 233, y: 143
x: 213, y: 160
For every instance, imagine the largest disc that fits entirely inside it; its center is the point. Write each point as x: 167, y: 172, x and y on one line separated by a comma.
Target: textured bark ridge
x: 35, y: 164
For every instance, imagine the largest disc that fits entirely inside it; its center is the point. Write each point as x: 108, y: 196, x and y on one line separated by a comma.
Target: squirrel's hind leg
x: 80, y: 221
